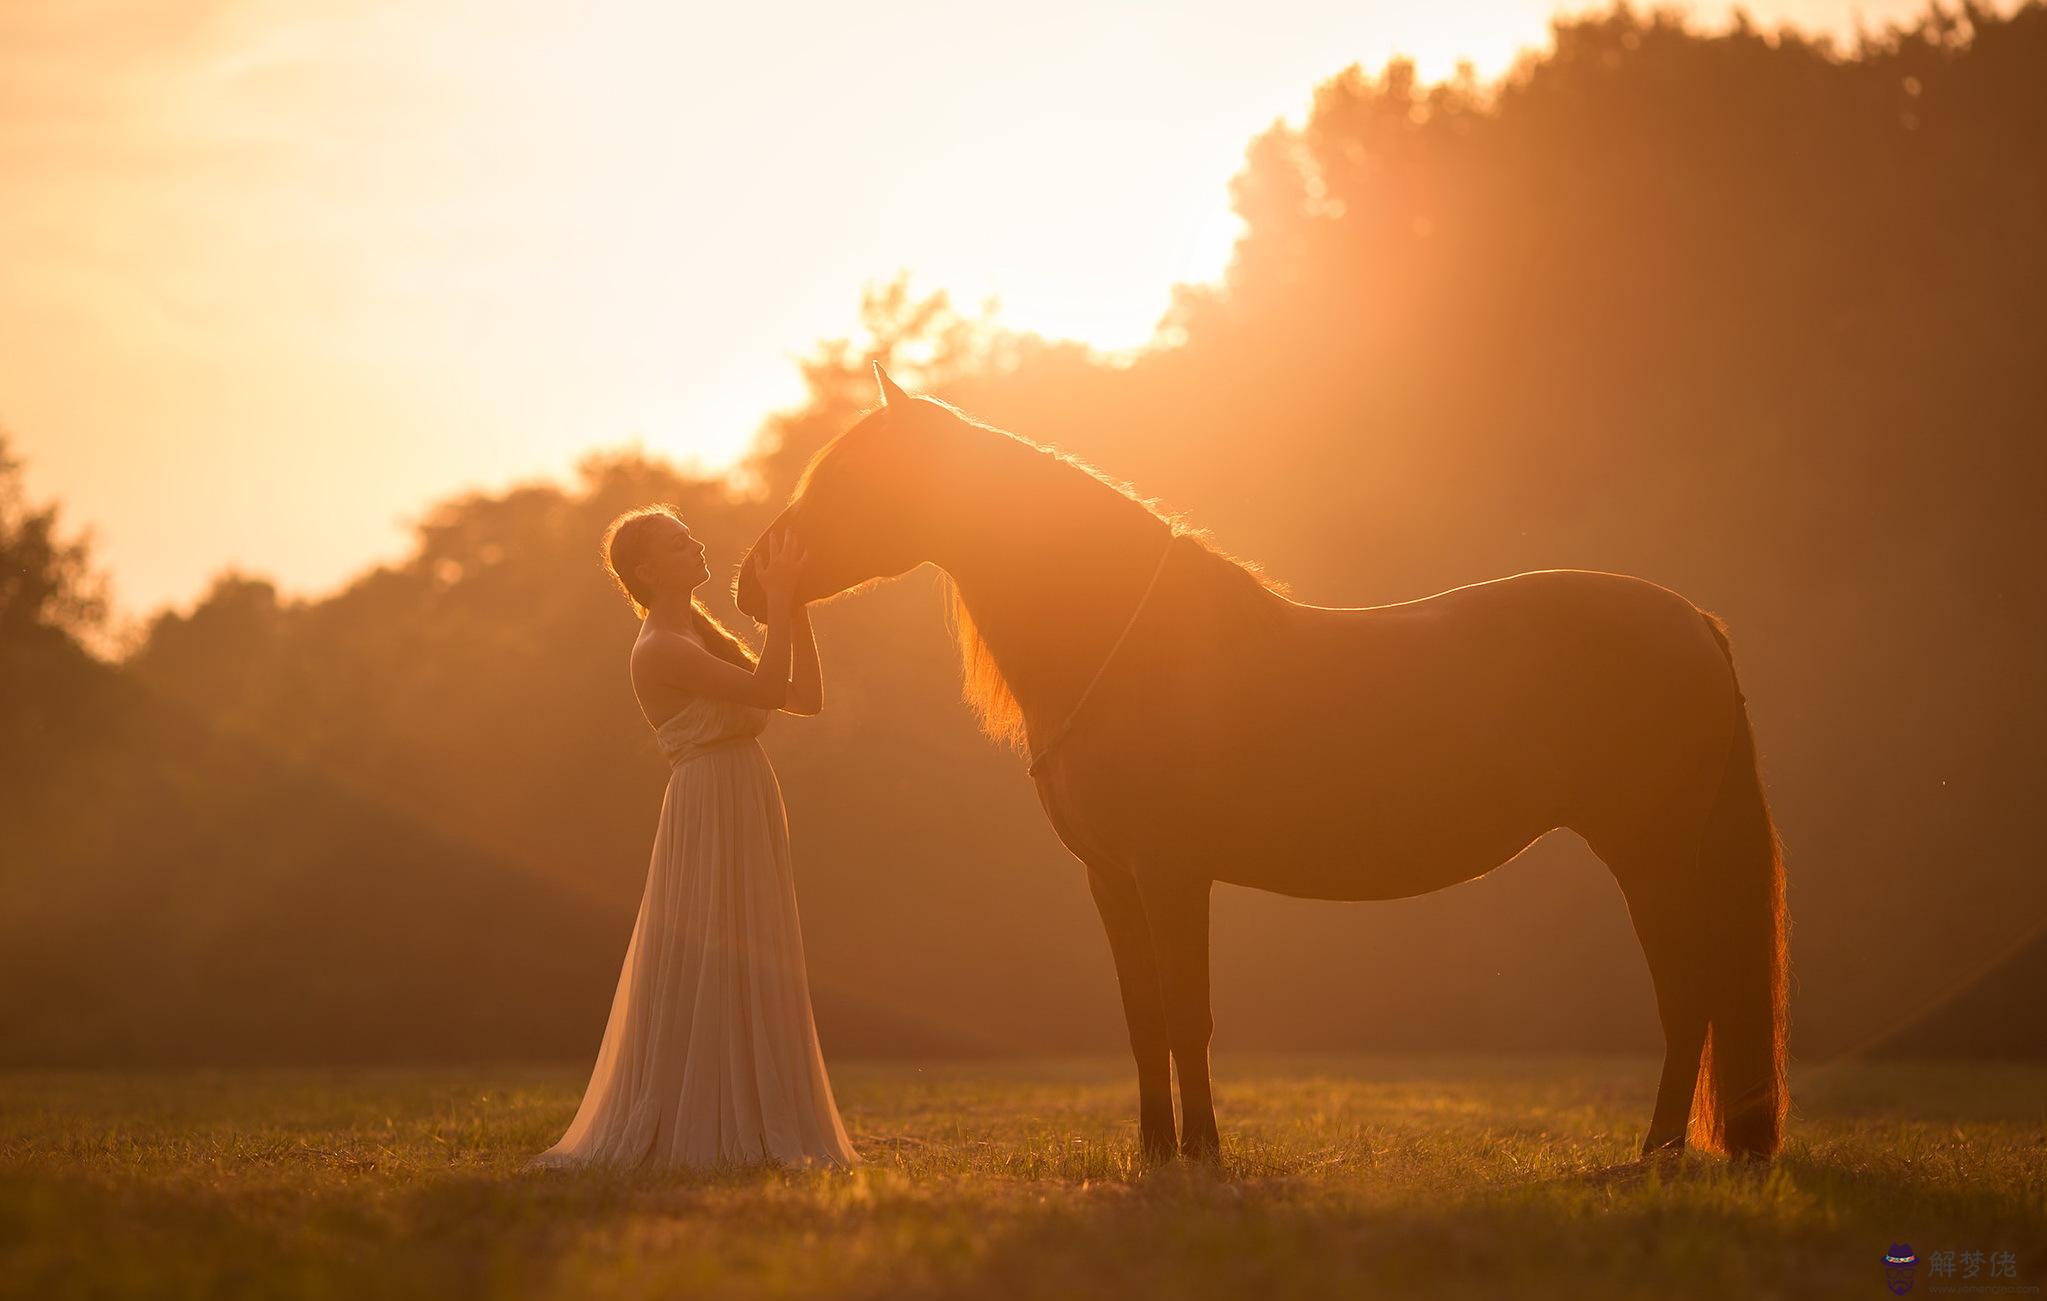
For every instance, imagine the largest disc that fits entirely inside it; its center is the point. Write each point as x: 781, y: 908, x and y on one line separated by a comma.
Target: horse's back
x: 1562, y: 679
x: 1390, y: 750
x: 1552, y: 600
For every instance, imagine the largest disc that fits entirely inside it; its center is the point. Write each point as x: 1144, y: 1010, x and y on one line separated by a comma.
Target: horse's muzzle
x: 747, y: 591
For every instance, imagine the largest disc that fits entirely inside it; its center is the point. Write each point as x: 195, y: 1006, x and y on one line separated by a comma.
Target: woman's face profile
x: 671, y: 558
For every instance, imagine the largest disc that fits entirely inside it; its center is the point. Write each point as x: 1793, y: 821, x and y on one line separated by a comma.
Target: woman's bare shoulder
x: 658, y: 653
x: 659, y: 658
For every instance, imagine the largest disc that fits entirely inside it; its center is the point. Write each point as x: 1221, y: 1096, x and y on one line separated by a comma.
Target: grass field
x: 1346, y: 1176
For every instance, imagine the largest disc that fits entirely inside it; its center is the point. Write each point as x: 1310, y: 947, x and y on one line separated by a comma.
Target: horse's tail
x: 1741, y: 1099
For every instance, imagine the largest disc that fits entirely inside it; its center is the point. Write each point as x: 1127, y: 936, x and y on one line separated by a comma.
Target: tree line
x: 1744, y: 314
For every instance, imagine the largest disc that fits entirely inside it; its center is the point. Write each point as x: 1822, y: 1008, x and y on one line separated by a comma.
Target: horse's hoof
x: 1203, y: 1151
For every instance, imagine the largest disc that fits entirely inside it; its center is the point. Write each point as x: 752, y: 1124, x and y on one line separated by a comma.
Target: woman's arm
x: 806, y: 676
x: 684, y: 664
x: 695, y: 670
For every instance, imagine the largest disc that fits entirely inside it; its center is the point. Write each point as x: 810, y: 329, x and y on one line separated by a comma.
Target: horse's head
x: 862, y: 509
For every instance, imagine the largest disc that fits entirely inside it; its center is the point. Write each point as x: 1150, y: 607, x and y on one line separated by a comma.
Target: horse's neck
x: 1050, y: 565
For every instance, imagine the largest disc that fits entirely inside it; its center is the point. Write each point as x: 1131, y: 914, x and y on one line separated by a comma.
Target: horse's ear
x: 890, y: 394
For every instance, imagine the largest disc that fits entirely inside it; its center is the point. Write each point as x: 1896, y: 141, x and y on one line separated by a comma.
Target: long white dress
x: 710, y: 1056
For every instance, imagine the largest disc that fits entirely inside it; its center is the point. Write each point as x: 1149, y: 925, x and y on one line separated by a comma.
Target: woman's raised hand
x: 780, y: 566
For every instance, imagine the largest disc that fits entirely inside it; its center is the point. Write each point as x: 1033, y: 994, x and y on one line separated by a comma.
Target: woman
x: 710, y: 1056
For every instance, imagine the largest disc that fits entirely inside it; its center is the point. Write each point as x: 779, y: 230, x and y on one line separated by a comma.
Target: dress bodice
x: 705, y: 723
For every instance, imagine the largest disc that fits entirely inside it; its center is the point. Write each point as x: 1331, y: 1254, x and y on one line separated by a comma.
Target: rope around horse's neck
x: 1038, y: 760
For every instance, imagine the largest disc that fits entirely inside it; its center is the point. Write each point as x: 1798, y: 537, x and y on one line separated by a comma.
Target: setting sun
x: 334, y: 260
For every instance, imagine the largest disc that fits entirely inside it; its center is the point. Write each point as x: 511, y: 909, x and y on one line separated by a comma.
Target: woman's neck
x: 672, y: 613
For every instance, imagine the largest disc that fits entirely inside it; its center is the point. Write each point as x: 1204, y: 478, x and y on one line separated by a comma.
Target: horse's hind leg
x: 1660, y: 886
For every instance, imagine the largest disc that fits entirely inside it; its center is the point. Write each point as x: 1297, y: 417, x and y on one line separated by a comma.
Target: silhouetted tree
x: 1742, y: 313
x: 45, y: 582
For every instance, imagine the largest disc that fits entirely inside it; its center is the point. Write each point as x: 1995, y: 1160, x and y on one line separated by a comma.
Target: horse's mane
x: 986, y: 690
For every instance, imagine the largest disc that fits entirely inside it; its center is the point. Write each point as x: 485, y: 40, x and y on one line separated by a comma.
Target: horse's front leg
x: 1176, y: 910
x: 1122, y: 910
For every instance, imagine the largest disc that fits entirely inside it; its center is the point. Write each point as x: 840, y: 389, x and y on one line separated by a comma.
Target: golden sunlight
x: 500, y: 498
x: 339, y: 259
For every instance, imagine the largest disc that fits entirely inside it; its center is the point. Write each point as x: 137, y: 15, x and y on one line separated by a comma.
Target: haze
x: 277, y: 276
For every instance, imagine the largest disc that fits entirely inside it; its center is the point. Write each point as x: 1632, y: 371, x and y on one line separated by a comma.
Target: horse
x: 1189, y: 723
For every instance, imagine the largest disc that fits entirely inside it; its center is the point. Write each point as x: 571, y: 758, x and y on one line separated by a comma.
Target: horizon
x: 471, y: 285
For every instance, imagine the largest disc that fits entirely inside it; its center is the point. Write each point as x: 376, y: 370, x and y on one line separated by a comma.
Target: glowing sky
x: 276, y: 276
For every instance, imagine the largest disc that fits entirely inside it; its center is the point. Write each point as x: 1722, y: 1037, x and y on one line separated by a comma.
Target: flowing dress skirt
x: 710, y: 1056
